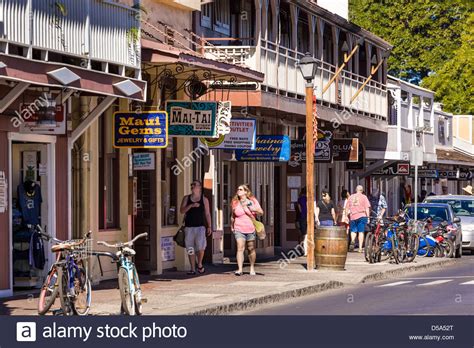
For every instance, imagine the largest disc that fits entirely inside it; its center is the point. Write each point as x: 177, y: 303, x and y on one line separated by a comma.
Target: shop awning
x: 159, y: 54
x: 454, y: 157
x: 57, y: 75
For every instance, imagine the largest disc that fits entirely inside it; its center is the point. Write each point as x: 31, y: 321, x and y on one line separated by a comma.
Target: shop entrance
x: 32, y: 201
x: 144, y: 188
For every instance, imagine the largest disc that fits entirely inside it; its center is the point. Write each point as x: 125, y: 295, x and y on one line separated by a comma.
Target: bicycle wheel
x: 138, y: 293
x: 368, y: 247
x: 49, y: 291
x: 82, y: 288
x: 412, y: 247
x: 395, y: 249
x: 424, y: 246
x: 63, y: 286
x: 128, y: 302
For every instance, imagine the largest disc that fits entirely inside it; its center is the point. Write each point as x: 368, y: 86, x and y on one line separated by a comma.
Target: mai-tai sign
x: 269, y: 148
x: 192, y: 119
x: 140, y: 129
x: 242, y: 136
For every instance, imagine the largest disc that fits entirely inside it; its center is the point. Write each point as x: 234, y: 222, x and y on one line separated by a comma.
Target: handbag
x: 259, y: 229
x: 179, y: 237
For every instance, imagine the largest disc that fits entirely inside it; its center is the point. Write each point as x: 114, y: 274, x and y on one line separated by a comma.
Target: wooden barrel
x: 330, y: 247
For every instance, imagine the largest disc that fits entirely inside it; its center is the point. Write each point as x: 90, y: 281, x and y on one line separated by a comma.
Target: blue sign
x: 140, y: 129
x: 269, y: 148
x: 192, y: 119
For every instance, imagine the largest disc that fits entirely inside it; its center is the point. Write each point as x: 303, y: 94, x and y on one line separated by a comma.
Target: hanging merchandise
x: 29, y: 202
x: 3, y: 193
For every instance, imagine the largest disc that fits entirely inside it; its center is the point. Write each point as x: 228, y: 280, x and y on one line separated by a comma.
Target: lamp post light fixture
x: 308, y: 66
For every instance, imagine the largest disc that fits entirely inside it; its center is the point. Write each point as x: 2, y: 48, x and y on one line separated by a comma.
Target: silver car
x: 463, y: 207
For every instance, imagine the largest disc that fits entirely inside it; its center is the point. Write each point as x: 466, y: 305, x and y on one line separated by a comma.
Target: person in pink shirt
x: 358, y: 209
x: 245, y: 209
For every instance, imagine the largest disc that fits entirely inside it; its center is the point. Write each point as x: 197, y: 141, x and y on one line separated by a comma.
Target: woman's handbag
x: 259, y: 229
x: 180, y: 236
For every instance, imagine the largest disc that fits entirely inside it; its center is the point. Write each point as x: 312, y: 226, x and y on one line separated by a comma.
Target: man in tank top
x: 197, y: 216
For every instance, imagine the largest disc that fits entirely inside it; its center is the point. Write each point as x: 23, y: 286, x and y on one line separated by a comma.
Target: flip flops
x: 201, y: 270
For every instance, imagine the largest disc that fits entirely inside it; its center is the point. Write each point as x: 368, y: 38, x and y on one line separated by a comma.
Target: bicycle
x: 67, y: 277
x: 129, y: 284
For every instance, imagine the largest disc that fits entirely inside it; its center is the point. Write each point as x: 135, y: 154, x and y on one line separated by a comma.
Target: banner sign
x: 394, y: 169
x: 224, y: 116
x: 269, y: 148
x: 345, y: 150
x: 140, y: 129
x: 460, y: 174
x: 144, y: 161
x: 192, y: 119
x: 242, y: 136
x: 425, y: 173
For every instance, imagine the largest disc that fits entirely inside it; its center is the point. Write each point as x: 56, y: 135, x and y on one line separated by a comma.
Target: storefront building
x: 271, y: 37
x: 56, y: 78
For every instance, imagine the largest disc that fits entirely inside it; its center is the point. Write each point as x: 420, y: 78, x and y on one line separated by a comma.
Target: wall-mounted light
x: 127, y: 87
x: 64, y: 76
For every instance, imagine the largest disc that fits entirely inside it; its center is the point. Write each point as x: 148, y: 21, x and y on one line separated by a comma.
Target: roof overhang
x: 56, y: 75
x: 158, y: 54
x: 454, y: 157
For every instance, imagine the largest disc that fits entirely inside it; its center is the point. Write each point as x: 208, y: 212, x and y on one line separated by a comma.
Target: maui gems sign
x: 141, y: 129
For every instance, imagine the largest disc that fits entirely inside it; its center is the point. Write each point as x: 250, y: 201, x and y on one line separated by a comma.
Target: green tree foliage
x: 454, y: 82
x: 428, y: 40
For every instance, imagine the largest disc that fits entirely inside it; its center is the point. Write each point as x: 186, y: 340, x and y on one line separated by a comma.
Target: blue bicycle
x: 129, y: 284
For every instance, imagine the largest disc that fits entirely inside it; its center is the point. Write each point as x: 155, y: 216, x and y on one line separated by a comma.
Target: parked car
x: 463, y: 207
x: 439, y: 212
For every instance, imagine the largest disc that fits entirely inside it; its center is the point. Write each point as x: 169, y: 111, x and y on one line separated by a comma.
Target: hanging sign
x: 30, y: 165
x: 269, y: 148
x: 42, y: 116
x: 3, y: 193
x: 140, y: 129
x: 144, y: 161
x: 323, y: 151
x: 242, y: 136
x: 192, y: 119
x: 345, y: 150
x: 224, y: 116
x: 360, y: 163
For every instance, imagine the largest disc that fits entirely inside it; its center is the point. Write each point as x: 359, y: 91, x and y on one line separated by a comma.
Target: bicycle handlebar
x: 58, y: 241
x: 121, y: 245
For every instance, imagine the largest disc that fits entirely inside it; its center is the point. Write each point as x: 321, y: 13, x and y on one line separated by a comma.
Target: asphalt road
x: 442, y: 292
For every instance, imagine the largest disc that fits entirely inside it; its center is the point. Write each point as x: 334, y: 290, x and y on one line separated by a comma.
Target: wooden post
x: 373, y: 70
x: 310, y: 175
x: 346, y: 60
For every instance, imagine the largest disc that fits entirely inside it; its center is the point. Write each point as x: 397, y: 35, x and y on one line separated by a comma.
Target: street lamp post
x: 308, y: 66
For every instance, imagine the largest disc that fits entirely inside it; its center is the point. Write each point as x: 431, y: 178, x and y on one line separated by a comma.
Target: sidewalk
x: 219, y: 291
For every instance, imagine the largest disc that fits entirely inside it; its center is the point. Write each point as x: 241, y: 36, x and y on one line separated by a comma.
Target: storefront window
x: 109, y: 177
x: 169, y: 184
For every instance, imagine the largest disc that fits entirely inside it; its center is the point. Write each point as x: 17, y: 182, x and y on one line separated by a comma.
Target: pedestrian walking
x: 341, y: 213
x: 378, y: 203
x: 197, y: 216
x: 302, y: 218
x: 245, y: 209
x: 325, y: 214
x: 358, y: 208
x: 468, y: 190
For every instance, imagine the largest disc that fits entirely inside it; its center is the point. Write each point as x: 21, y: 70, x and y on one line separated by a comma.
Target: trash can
x: 330, y: 247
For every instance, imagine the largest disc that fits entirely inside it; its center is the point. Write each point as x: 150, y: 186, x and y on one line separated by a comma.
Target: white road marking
x: 468, y: 283
x: 436, y: 282
x: 396, y: 283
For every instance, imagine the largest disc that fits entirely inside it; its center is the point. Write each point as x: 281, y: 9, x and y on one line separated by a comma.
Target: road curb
x: 266, y: 299
x: 252, y: 303
x: 405, y: 270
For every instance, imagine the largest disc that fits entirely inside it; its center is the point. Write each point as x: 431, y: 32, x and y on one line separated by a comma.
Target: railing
x: 89, y: 30
x: 279, y: 64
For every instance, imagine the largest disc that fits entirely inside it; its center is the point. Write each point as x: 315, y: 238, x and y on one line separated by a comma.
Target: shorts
x: 247, y: 236
x: 195, y: 239
x: 358, y: 225
x: 326, y: 223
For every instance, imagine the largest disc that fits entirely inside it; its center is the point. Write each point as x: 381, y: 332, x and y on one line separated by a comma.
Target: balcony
x: 279, y: 64
x: 102, y: 35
